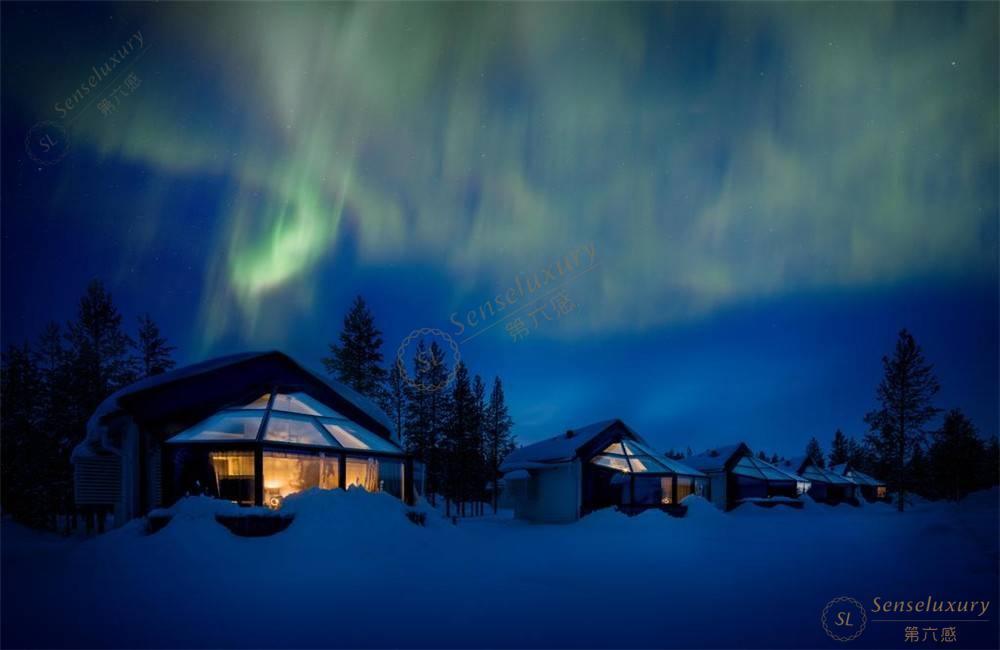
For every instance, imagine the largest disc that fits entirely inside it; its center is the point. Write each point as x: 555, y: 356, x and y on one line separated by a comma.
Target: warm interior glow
x: 286, y: 474
x: 234, y: 476
x: 362, y: 473
x: 881, y: 491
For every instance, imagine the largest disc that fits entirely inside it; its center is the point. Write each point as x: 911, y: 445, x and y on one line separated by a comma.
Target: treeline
x: 907, y: 445
x: 449, y: 424
x: 48, y: 390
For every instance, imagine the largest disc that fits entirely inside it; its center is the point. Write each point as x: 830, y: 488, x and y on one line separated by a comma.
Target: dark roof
x: 190, y: 393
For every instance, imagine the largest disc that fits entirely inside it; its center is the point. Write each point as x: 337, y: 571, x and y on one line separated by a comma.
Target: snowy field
x: 353, y: 571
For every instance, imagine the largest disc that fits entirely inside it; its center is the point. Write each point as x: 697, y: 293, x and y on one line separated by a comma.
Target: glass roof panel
x: 772, y: 474
x: 225, y: 426
x: 302, y: 403
x: 303, y: 431
x: 615, y: 448
x: 353, y: 436
x: 746, y: 467
x: 617, y: 463
x: 259, y: 403
x: 646, y: 463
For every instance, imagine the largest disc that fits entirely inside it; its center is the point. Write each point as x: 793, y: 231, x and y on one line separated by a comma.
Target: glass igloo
x: 278, y: 444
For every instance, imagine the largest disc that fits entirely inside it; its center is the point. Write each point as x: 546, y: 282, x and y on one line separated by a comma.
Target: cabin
x: 736, y: 476
x: 869, y: 488
x: 601, y: 465
x: 249, y: 428
x: 825, y: 486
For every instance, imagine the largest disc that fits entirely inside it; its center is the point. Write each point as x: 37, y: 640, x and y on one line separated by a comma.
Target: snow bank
x: 352, y: 571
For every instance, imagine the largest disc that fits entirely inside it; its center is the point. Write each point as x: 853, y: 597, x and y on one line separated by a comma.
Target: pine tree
x: 815, y: 453
x: 905, y: 397
x: 840, y: 451
x: 426, y: 411
x: 477, y: 447
x: 357, y: 360
x: 99, y: 350
x: 154, y: 353
x: 22, y: 457
x: 497, y: 436
x: 918, y: 473
x: 859, y: 455
x: 460, y: 449
x: 989, y: 466
x: 955, y: 456
x: 394, y: 398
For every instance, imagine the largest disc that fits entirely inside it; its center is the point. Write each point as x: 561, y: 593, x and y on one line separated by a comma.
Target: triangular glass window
x: 302, y: 431
x: 228, y: 425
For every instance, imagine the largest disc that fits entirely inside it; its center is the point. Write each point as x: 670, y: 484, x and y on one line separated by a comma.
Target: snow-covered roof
x: 714, y: 460
x: 558, y: 449
x: 567, y: 446
x: 813, y: 472
x: 845, y: 469
x: 113, y: 404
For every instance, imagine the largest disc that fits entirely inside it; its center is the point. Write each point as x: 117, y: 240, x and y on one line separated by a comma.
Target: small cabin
x: 736, y: 477
x: 825, y: 486
x: 249, y: 428
x: 602, y: 465
x: 869, y: 488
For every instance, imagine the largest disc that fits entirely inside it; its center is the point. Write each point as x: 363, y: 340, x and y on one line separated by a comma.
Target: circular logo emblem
x: 844, y: 619
x: 47, y: 143
x: 429, y: 377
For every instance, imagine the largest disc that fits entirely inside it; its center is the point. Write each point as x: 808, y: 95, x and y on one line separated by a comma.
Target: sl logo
x: 844, y: 619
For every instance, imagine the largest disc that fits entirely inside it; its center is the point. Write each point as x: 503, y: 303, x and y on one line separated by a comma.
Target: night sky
x: 771, y: 191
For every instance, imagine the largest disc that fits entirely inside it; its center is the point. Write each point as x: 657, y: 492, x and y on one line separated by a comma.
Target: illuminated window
x: 329, y: 472
x: 228, y: 425
x: 353, y: 436
x: 614, y: 462
x: 234, y: 475
x: 881, y: 492
x: 362, y: 472
x: 685, y: 486
x: 286, y: 474
x: 283, y: 428
x: 302, y: 403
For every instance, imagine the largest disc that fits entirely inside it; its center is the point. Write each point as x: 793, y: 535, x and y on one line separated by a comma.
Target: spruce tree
x: 955, y: 457
x: 357, y: 359
x: 459, y: 448
x: 98, y: 348
x: 22, y: 455
x: 477, y: 447
x: 840, y: 451
x: 815, y: 453
x: 427, y: 410
x: 154, y: 353
x: 497, y: 437
x: 905, y: 397
x: 394, y: 398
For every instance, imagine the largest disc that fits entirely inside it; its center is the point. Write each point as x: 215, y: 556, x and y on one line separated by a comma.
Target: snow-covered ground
x: 353, y: 571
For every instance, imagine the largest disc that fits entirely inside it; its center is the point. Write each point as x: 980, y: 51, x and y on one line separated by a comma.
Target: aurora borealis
x: 774, y: 189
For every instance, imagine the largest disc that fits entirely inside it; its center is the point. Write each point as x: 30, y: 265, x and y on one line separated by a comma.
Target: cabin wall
x: 550, y: 495
x: 717, y: 489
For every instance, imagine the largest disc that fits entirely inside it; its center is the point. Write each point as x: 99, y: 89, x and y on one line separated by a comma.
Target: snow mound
x: 700, y: 508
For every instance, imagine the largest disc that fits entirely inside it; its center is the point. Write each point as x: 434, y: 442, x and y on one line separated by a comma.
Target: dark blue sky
x: 771, y: 192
